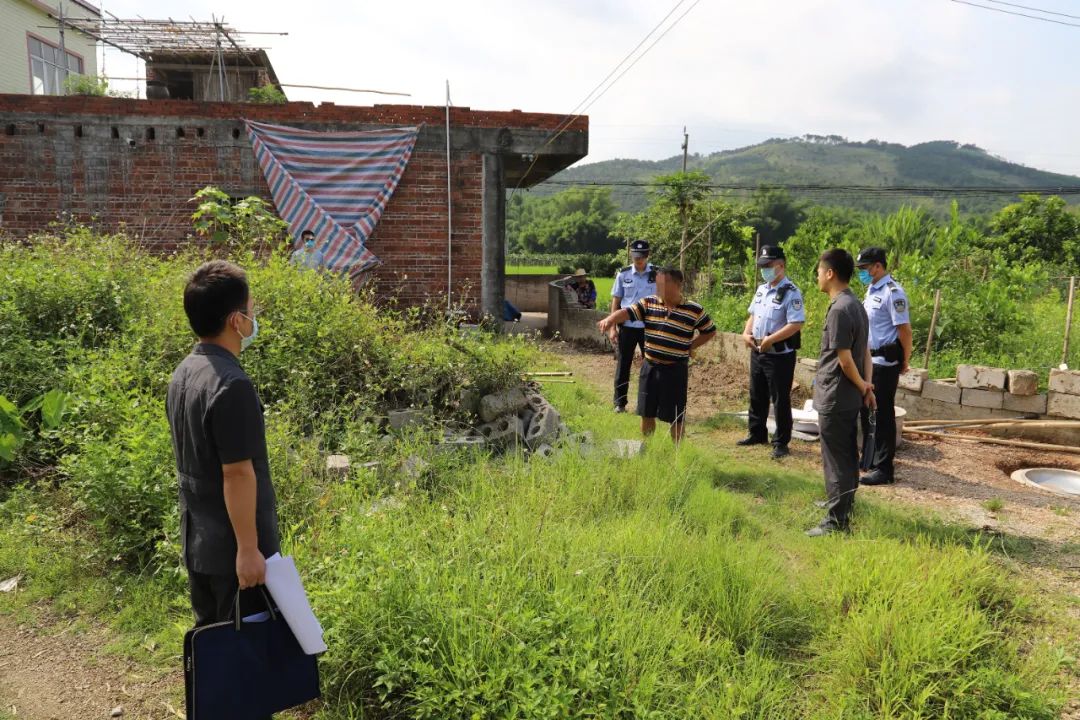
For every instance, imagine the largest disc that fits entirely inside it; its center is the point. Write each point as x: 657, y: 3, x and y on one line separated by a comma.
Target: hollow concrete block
x: 544, y: 428
x: 337, y: 466
x: 974, y: 397
x: 1025, y: 403
x: 1063, y: 405
x: 1066, y: 382
x: 508, y: 402
x: 1023, y: 382
x: 945, y: 392
x: 979, y: 377
x: 914, y: 379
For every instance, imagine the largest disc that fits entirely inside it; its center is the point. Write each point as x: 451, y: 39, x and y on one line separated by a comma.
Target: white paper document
x: 283, y: 582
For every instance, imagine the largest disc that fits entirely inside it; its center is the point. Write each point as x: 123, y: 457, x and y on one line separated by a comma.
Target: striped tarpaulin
x: 335, y: 184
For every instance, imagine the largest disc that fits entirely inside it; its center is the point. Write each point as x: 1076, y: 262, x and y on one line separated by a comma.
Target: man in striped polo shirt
x: 673, y: 328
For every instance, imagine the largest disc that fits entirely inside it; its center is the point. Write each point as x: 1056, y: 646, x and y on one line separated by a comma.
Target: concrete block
x: 461, y: 442
x: 544, y: 450
x: 1025, y: 403
x: 1064, y: 405
x: 469, y: 401
x: 337, y: 466
x: 1023, y: 382
x: 1065, y: 381
x: 401, y: 419
x: 979, y: 377
x: 974, y: 397
x: 914, y: 379
x: 544, y: 428
x: 627, y: 449
x: 945, y: 392
x: 505, y: 430
x: 508, y: 402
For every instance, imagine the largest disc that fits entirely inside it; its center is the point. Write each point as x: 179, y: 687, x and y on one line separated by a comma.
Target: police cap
x: 640, y: 247
x: 769, y: 253
x: 871, y: 255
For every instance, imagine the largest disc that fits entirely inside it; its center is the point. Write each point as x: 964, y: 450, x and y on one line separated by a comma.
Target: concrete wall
x: 72, y: 156
x: 20, y: 17
x: 529, y: 293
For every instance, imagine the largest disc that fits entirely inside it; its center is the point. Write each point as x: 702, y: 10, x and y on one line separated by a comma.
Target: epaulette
x: 625, y: 268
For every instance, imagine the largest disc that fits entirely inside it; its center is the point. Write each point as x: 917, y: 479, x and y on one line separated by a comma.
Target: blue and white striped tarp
x: 335, y: 184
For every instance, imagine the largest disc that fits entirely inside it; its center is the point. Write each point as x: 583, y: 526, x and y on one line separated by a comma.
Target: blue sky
x: 735, y: 72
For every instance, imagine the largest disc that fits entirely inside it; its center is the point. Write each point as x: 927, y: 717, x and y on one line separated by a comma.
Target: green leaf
x: 33, y: 405
x: 53, y: 408
x: 9, y: 415
x: 9, y: 444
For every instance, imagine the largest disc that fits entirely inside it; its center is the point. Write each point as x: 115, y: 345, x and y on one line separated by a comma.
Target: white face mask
x: 245, y: 342
x: 768, y: 274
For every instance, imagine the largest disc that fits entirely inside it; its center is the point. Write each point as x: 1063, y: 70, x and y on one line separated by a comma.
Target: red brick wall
x: 59, y: 155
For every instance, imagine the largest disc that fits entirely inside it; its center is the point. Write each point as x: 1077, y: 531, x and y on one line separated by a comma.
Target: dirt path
x: 56, y: 673
x: 964, y: 482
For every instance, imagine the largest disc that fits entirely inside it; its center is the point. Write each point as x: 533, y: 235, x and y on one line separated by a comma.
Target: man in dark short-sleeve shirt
x: 841, y: 387
x: 674, y: 328
x: 228, y: 513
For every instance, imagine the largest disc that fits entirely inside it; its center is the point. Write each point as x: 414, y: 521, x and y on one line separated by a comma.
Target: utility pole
x: 62, y: 90
x: 685, y: 214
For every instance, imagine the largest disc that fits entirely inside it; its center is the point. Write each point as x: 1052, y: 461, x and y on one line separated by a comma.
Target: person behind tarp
x: 228, y: 511
x: 887, y: 308
x: 307, y: 255
x: 841, y: 387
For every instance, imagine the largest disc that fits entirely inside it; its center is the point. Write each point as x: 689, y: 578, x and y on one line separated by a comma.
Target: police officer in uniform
x: 890, y: 346
x: 632, y: 283
x: 776, y: 316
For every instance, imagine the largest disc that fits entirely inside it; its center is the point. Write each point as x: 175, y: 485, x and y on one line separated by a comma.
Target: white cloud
x: 734, y: 72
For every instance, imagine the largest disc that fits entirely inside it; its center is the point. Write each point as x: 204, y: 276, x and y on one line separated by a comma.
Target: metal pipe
x: 1068, y: 321
x: 449, y: 209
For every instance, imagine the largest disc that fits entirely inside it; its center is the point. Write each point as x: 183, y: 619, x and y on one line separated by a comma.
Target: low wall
x: 568, y: 320
x: 529, y: 293
x: 729, y: 348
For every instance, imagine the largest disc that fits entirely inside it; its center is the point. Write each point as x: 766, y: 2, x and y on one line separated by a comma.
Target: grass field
x: 676, y: 583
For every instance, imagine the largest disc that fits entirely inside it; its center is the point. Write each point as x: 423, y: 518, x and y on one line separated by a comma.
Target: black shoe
x: 780, y: 451
x: 824, y: 529
x: 876, y: 477
x: 751, y: 440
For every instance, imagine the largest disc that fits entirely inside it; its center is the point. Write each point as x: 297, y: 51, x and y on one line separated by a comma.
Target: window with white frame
x: 47, y: 67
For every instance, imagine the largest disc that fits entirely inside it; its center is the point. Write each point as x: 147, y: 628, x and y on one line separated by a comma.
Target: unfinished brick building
x: 134, y: 164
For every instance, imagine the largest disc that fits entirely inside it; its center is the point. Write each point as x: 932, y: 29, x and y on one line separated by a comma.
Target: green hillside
x: 832, y: 160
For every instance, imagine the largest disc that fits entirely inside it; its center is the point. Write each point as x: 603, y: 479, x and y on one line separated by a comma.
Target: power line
x: 928, y: 190
x: 1010, y: 12
x: 578, y: 110
x: 1034, y: 9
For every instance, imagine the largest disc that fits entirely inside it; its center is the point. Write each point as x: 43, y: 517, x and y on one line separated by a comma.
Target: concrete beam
x: 493, y: 261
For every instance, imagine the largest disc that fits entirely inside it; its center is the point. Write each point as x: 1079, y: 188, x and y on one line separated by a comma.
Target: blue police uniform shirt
x: 886, y: 306
x: 631, y: 286
x: 771, y: 312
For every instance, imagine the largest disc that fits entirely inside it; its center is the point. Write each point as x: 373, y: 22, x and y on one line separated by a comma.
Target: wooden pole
x: 1071, y: 449
x: 933, y: 327
x: 685, y: 213
x: 1068, y: 320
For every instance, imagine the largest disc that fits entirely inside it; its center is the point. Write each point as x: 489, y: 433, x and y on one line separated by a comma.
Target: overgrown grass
x: 677, y: 584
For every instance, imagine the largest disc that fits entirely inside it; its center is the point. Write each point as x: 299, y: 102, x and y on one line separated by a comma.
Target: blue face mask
x: 865, y: 277
x: 245, y: 342
x: 768, y: 274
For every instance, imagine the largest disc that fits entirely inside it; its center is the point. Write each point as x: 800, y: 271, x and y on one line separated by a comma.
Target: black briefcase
x: 246, y: 670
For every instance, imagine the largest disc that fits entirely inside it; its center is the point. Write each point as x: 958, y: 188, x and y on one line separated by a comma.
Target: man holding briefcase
x: 228, y: 512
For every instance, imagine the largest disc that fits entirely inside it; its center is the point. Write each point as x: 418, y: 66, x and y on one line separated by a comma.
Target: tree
x: 775, y: 215
x: 577, y: 220
x: 1037, y: 228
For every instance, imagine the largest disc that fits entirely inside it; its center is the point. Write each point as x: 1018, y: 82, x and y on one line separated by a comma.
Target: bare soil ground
x: 60, y: 673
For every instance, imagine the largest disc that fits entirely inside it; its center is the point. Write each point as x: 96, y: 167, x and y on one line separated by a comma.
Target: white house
x: 30, y: 57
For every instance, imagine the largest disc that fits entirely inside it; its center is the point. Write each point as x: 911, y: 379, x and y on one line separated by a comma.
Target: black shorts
x: 662, y: 391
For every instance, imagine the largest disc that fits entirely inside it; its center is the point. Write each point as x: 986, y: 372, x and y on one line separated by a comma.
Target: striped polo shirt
x: 669, y: 331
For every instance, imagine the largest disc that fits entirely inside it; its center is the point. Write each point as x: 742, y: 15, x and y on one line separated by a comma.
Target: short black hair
x: 214, y: 291
x: 840, y: 262
x: 307, y: 232
x: 673, y: 273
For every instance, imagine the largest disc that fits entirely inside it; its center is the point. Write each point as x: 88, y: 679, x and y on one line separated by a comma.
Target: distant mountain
x: 833, y: 160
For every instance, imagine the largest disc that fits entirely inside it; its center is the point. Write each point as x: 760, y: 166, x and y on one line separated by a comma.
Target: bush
x: 595, y: 265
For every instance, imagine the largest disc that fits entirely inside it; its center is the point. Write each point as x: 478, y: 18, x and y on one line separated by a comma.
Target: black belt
x: 777, y: 347
x: 892, y: 352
